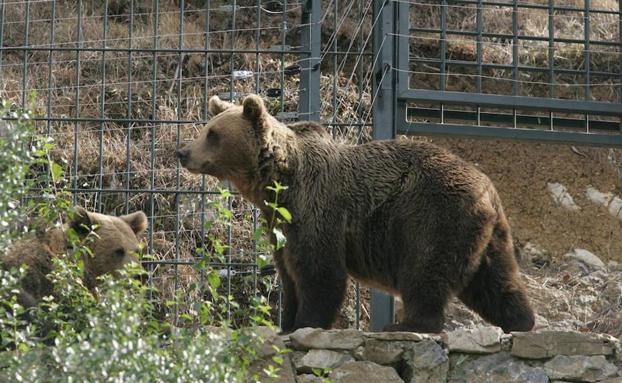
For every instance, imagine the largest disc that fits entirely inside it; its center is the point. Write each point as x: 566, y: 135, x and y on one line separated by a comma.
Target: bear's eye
x: 212, y: 137
x: 119, y: 252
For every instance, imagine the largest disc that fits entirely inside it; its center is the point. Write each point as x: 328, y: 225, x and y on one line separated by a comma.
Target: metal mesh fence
x: 119, y: 84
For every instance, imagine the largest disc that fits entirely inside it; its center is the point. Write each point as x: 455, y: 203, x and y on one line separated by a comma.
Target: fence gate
x: 477, y: 68
x: 544, y: 70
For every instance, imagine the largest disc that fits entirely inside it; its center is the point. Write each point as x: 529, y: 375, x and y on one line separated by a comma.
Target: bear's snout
x: 183, y: 155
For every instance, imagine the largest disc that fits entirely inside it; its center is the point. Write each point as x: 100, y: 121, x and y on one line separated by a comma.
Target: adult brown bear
x: 403, y: 216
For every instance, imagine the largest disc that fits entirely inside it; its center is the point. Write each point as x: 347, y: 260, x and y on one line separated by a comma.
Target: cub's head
x: 115, y: 244
x: 229, y: 145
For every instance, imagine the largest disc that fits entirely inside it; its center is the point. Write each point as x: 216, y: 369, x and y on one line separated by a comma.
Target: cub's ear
x: 216, y: 105
x: 253, y: 107
x: 137, y: 221
x: 82, y: 221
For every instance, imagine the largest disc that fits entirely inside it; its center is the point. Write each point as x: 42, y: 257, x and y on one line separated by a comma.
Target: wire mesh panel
x: 544, y: 70
x: 120, y: 84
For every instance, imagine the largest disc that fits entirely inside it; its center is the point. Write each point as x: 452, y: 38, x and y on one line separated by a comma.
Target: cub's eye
x: 212, y: 137
x: 119, y: 252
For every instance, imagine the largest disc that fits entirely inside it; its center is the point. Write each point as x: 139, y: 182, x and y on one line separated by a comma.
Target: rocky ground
x: 577, y: 292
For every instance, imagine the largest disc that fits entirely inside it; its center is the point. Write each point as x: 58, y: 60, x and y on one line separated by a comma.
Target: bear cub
x: 115, y: 245
x: 403, y: 216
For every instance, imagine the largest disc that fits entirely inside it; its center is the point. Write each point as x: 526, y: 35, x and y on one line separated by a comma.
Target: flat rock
x: 382, y: 352
x: 401, y: 335
x: 547, y: 344
x: 616, y: 379
x: 494, y: 368
x: 597, y: 196
x: 561, y: 196
x: 426, y: 362
x: 482, y: 340
x: 615, y: 207
x: 586, y: 257
x: 579, y: 367
x: 308, y: 338
x: 321, y: 359
x: 364, y: 372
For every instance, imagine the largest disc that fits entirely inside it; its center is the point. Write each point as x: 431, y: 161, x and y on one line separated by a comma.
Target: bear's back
x: 306, y: 128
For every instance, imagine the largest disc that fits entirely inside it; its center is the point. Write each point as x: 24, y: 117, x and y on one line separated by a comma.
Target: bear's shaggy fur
x: 403, y: 216
x: 114, y: 245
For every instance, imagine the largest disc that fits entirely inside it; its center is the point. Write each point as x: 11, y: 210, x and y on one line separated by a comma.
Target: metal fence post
x: 309, y: 104
x: 381, y: 305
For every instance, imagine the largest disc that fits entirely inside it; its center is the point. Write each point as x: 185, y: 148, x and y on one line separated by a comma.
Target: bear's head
x: 237, y: 143
x: 115, y: 242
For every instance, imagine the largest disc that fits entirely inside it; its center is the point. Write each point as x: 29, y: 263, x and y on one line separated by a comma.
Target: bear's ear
x: 216, y: 106
x: 253, y: 107
x: 82, y: 221
x: 137, y: 221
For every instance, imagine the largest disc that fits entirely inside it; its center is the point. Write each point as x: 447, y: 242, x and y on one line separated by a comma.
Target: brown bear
x: 403, y: 216
x: 115, y: 244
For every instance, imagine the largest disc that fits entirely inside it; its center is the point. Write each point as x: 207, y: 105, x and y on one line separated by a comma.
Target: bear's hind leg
x: 496, y: 293
x: 424, y: 306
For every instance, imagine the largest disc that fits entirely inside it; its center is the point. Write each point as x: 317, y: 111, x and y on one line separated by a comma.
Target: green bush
x: 114, y: 333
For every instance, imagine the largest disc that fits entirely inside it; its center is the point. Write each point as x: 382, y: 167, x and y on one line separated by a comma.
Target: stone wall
x: 484, y: 354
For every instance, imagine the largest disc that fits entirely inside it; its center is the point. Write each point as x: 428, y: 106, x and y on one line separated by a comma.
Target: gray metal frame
x: 601, y: 123
x: 384, y: 122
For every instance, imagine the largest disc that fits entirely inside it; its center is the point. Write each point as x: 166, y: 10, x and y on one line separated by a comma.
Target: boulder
x: 482, y: 340
x: 586, y: 257
x: 382, y: 352
x: 547, y: 344
x: 561, y: 196
x: 368, y: 372
x: 426, y: 362
x: 494, y: 368
x: 308, y: 338
x: 580, y: 367
x: 321, y: 359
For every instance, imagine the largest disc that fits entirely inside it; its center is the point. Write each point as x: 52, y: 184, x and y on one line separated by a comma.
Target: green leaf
x: 214, y: 280
x: 57, y: 172
x: 277, y: 188
x: 224, y: 193
x: 278, y: 360
x: 263, y: 260
x: 285, y: 214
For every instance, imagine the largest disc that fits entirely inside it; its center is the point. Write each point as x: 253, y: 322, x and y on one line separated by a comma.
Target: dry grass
x: 531, y: 23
